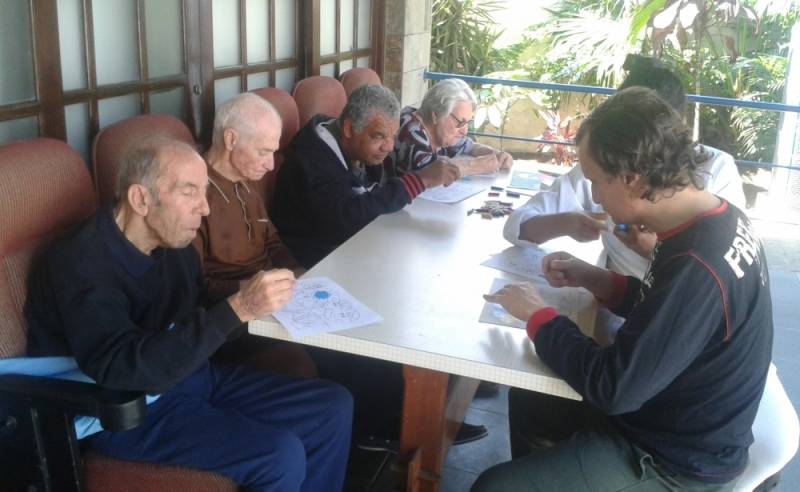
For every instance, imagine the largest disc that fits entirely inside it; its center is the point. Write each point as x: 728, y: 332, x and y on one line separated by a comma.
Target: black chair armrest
x: 117, y: 410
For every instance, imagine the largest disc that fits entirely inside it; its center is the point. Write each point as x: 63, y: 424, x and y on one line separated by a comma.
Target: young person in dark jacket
x: 326, y: 190
x: 122, y: 294
x: 671, y: 402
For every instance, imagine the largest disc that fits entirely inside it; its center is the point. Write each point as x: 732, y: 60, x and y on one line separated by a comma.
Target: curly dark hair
x: 637, y: 132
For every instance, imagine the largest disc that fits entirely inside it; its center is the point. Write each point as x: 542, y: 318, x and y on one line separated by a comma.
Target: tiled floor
x: 782, y: 244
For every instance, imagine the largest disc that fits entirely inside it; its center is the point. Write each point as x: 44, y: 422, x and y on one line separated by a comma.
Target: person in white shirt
x: 567, y: 208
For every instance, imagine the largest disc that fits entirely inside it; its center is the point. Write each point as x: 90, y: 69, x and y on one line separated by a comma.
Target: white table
x: 420, y: 270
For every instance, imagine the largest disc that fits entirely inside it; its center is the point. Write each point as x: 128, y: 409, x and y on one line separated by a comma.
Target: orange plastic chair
x: 319, y: 95
x: 112, y: 142
x: 356, y: 77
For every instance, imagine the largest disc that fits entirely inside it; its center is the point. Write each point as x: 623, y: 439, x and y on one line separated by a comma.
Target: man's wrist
x: 237, y: 305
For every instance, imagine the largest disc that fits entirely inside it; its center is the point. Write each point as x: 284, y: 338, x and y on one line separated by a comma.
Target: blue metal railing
x: 588, y: 89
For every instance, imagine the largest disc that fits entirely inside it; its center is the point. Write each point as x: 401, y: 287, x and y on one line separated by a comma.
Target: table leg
x: 434, y: 405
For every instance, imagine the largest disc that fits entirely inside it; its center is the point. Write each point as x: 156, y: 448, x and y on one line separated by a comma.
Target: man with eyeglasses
x: 237, y: 239
x: 437, y: 131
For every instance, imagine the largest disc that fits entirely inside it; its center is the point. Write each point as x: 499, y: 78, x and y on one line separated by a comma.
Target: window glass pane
x: 116, y: 109
x: 115, y: 41
x: 364, y: 23
x: 77, y: 117
x: 70, y: 37
x: 327, y: 27
x: 284, y: 79
x: 172, y: 101
x: 346, y: 26
x: 225, y: 89
x: 164, y: 23
x: 363, y: 62
x: 225, y: 14
x: 257, y: 80
x: 345, y: 65
x: 16, y: 51
x: 18, y: 129
x: 257, y: 31
x: 328, y: 70
x: 285, y: 11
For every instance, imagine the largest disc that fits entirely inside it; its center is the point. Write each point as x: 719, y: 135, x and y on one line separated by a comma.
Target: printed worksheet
x: 454, y: 193
x: 521, y: 261
x: 566, y: 300
x: 525, y: 180
x: 319, y: 305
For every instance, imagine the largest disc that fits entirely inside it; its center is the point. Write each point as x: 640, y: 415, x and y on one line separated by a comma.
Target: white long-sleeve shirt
x: 573, y: 192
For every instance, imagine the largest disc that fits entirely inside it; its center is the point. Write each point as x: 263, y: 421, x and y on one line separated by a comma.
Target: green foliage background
x: 735, y: 49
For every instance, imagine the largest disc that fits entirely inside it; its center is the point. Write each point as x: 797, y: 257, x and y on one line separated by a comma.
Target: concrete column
x: 785, y: 188
x: 407, y: 48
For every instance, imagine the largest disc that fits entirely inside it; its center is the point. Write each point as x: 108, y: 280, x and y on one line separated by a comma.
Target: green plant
x: 463, y: 33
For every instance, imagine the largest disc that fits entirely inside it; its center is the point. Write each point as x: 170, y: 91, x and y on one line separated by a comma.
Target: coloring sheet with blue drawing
x: 456, y: 192
x: 319, y: 305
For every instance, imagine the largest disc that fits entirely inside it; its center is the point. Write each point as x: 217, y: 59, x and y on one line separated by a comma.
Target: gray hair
x: 440, y: 99
x: 235, y: 114
x: 367, y: 100
x: 141, y: 164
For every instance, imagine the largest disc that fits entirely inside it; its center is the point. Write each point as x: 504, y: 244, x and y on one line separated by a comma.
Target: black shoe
x: 376, y: 443
x: 487, y: 389
x: 466, y: 433
x: 469, y: 432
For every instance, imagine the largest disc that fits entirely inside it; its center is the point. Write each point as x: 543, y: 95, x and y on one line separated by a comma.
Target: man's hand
x: 564, y: 270
x: 505, y: 160
x: 440, y: 172
x: 262, y: 294
x: 638, y: 238
x: 520, y: 300
x: 485, y: 164
x: 586, y: 226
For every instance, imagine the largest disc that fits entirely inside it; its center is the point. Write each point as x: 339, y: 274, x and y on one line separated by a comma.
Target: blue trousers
x: 263, y: 431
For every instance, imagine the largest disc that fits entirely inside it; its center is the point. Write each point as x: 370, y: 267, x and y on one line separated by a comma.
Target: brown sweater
x: 237, y: 239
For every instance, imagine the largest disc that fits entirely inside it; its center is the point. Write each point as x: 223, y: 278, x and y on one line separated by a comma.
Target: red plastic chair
x: 319, y: 95
x: 112, y: 142
x: 287, y: 109
x: 356, y: 77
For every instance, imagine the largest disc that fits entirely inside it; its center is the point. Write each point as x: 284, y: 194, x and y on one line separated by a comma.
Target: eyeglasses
x: 459, y: 122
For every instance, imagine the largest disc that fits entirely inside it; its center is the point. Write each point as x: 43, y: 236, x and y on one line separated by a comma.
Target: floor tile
x: 479, y: 455
x: 496, y: 404
x: 455, y: 480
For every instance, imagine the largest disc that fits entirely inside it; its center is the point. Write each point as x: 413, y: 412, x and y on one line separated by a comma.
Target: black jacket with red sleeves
x: 321, y: 199
x: 685, y: 374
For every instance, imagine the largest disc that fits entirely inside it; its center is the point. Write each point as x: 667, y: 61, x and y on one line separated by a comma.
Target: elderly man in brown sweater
x: 237, y: 239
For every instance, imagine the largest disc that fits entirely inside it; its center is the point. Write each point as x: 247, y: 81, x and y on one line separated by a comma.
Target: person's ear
x: 347, y: 129
x: 634, y: 184
x: 139, y: 199
x: 229, y: 138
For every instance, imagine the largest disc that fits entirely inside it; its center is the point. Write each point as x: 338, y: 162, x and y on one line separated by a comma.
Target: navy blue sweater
x: 685, y: 374
x: 320, y: 202
x: 131, y: 320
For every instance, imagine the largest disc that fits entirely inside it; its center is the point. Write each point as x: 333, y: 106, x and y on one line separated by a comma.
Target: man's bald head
x: 247, y: 132
x: 243, y: 114
x: 142, y: 164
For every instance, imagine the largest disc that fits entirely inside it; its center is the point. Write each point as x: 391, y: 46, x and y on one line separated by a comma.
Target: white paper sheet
x: 518, y: 260
x: 319, y: 305
x: 566, y: 300
x: 457, y: 191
